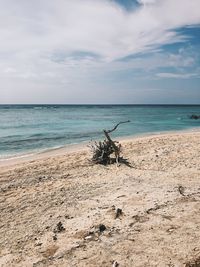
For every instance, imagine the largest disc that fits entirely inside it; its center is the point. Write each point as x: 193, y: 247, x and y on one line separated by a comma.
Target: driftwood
x: 102, y: 151
x: 181, y: 190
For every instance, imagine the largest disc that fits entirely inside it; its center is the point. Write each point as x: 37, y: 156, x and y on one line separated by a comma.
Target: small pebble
x: 102, y: 228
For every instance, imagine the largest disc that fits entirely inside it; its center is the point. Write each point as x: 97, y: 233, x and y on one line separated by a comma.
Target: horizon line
x: 101, y: 104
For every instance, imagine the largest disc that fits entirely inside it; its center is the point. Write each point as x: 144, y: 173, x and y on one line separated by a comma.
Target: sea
x: 27, y: 129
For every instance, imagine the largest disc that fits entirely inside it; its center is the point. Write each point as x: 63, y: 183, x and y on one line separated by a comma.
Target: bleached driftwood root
x: 102, y: 151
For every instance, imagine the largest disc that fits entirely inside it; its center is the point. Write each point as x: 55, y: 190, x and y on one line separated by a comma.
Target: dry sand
x: 60, y: 210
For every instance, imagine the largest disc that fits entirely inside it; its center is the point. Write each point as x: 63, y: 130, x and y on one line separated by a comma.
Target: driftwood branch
x: 102, y: 151
x: 181, y: 190
x: 110, y: 131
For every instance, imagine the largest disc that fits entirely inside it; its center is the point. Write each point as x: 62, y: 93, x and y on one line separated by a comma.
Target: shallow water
x: 33, y: 128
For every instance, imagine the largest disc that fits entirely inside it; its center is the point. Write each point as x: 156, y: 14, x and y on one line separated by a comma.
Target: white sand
x: 159, y: 194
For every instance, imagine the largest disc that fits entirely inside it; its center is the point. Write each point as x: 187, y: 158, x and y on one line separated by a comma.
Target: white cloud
x: 146, y: 2
x: 98, y: 26
x: 33, y: 33
x: 177, y: 75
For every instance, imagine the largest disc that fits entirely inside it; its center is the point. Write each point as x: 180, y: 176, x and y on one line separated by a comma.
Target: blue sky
x: 100, y: 51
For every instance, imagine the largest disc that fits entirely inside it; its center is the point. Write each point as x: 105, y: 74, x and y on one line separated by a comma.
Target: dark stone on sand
x: 102, y: 228
x: 118, y: 213
x: 59, y: 228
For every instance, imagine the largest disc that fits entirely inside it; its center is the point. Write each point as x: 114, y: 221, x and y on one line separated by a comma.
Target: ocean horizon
x: 33, y: 128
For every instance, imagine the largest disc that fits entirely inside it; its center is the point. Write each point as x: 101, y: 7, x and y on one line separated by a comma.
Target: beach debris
x: 89, y: 237
x: 131, y: 224
x: 118, y: 213
x: 115, y: 264
x: 121, y: 196
x: 55, y: 237
x: 181, y: 190
x: 193, y: 263
x: 102, y: 228
x: 94, y: 233
x: 157, y: 207
x: 92, y: 236
x: 59, y: 228
x: 38, y: 244
x: 131, y: 238
x: 195, y: 117
x: 68, y: 217
x: 171, y: 229
x: 103, y: 150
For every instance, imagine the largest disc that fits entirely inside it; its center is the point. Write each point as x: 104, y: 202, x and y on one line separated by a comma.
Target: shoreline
x: 83, y: 146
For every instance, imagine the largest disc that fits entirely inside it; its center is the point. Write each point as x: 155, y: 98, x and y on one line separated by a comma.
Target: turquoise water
x: 31, y: 128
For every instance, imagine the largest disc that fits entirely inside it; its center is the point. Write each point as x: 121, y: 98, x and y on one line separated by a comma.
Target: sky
x: 100, y: 52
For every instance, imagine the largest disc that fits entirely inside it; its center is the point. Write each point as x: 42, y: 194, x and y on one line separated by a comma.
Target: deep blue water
x: 31, y: 128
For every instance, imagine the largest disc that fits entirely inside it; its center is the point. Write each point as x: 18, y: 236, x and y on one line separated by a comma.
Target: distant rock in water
x: 195, y: 117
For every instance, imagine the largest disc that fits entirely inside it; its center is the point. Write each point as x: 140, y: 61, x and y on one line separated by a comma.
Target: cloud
x: 97, y: 26
x: 146, y: 2
x: 68, y: 44
x: 177, y: 75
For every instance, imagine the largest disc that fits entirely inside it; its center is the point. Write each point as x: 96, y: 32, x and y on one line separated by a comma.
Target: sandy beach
x: 58, y: 209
